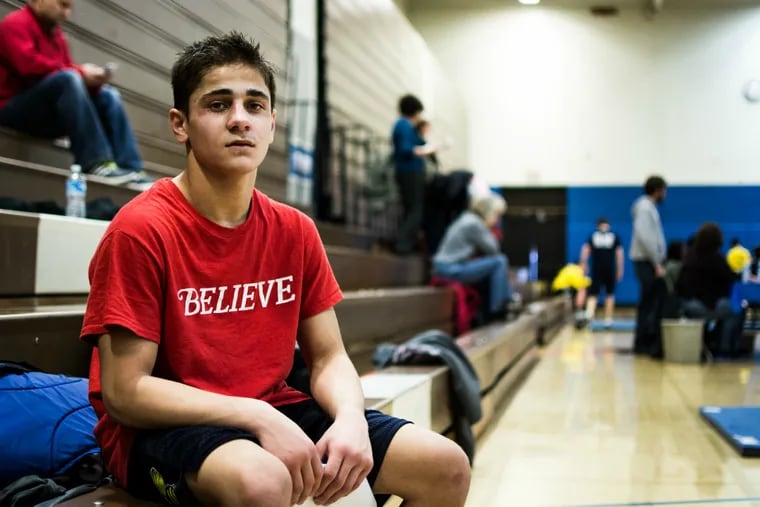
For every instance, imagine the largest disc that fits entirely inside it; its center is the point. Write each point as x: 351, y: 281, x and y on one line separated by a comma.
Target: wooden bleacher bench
x: 44, y: 331
x: 36, y: 243
x: 500, y: 354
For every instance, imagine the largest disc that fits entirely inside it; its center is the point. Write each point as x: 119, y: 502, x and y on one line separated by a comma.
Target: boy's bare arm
x: 134, y: 397
x: 334, y: 381
x: 336, y: 387
x: 585, y: 252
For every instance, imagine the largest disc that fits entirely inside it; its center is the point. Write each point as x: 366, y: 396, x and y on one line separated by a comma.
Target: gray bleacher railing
x: 362, y: 190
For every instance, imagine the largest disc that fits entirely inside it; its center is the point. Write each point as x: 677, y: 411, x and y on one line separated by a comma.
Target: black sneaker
x: 111, y: 173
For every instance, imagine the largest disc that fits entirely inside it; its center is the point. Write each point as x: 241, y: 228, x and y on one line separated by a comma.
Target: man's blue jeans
x: 492, y: 268
x: 61, y: 105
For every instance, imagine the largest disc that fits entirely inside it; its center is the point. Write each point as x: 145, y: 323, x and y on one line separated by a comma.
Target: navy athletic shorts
x: 159, y: 459
x: 603, y: 279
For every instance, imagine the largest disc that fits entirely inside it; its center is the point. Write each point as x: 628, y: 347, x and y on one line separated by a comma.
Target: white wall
x: 558, y: 97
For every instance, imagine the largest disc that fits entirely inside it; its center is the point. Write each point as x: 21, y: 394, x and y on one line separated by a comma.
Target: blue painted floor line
x: 673, y: 502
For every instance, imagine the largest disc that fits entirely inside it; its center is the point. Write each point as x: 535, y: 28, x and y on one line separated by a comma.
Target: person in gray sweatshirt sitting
x: 648, y: 254
x: 469, y: 252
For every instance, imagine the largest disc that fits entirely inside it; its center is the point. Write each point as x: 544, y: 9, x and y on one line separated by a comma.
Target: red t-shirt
x: 28, y: 52
x: 223, y: 304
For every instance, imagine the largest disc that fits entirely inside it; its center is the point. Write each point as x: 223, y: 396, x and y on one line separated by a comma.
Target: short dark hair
x: 653, y: 184
x: 735, y: 241
x: 200, y: 57
x: 709, y: 238
x: 409, y: 105
x: 601, y: 221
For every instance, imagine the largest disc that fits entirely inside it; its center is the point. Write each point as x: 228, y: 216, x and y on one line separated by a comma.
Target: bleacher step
x: 50, y: 254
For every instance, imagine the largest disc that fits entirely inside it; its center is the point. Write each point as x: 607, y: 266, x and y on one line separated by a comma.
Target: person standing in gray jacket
x: 469, y: 252
x: 648, y: 254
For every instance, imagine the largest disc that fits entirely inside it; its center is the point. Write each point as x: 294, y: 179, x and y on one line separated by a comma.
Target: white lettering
x: 264, y: 297
x: 220, y: 300
x: 248, y: 296
x: 206, y: 293
x: 233, y: 308
x: 217, y: 300
x: 604, y: 240
x: 191, y: 301
x: 283, y: 289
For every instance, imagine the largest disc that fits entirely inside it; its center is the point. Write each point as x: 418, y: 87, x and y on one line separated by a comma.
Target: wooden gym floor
x: 591, y: 426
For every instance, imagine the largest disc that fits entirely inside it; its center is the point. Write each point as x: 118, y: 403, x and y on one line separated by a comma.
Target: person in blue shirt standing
x: 409, y: 151
x: 604, y: 249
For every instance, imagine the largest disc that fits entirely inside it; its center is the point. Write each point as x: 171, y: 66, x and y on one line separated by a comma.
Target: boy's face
x: 231, y: 122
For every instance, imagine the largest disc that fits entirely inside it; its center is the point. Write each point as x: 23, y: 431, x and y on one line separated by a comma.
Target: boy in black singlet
x: 604, y: 249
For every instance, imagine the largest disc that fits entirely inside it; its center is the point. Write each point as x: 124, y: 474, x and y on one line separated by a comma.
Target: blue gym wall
x: 735, y: 208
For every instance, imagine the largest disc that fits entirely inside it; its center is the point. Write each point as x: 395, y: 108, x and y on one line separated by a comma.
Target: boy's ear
x: 273, y: 126
x: 178, y: 124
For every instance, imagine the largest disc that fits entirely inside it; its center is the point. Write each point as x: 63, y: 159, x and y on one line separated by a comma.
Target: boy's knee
x: 455, y: 468
x: 258, y: 487
x: 448, y: 474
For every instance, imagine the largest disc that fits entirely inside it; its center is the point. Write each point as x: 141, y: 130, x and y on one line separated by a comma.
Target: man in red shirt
x: 200, y: 289
x: 44, y: 93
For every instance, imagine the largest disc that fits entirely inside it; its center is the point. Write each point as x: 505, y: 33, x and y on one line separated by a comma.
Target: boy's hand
x: 349, y: 457
x: 284, y: 439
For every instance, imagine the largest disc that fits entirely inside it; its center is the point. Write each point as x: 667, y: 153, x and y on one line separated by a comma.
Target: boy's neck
x: 225, y: 201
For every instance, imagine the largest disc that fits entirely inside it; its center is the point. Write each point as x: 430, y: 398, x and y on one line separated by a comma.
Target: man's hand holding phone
x: 109, y: 69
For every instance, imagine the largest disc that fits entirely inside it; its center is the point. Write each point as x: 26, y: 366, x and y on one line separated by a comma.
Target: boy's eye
x: 256, y: 106
x: 217, y: 106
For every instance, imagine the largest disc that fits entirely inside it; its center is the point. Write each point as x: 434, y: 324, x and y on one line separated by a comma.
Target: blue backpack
x: 46, y: 425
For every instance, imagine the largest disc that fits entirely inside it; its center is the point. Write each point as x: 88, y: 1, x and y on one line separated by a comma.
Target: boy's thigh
x: 161, y: 460
x: 432, y: 459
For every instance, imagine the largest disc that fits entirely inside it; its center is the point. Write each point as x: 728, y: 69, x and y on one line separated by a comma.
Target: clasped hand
x: 344, y: 448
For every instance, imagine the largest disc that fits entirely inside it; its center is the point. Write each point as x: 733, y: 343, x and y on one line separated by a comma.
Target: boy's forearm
x: 153, y: 402
x: 336, y: 387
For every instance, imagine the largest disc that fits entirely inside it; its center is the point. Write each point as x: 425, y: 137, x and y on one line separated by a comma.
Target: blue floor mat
x: 619, y: 325
x: 740, y: 426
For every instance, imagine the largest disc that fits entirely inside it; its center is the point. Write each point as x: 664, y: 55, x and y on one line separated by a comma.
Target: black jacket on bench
x: 435, y: 347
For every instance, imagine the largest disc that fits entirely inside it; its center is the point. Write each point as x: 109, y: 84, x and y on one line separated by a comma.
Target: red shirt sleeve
x: 126, y: 289
x: 320, y: 289
x: 18, y: 44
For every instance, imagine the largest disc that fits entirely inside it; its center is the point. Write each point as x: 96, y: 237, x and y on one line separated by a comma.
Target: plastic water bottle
x: 76, y: 193
x: 533, y: 264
